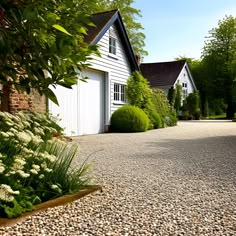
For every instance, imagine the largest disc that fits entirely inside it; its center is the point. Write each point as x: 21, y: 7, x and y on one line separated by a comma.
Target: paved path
x: 173, y: 181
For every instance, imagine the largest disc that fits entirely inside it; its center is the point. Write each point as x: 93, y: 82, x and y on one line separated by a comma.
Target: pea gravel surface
x: 174, y: 181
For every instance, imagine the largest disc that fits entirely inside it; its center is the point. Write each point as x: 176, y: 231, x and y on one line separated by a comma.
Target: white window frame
x: 112, y: 45
x: 119, y: 93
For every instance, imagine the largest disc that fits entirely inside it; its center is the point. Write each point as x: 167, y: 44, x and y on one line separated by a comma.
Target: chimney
x: 138, y: 59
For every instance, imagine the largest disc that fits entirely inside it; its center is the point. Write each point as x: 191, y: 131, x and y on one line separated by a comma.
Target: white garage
x: 82, y: 109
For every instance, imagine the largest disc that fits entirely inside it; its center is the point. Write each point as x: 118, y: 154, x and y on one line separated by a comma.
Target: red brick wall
x: 19, y: 101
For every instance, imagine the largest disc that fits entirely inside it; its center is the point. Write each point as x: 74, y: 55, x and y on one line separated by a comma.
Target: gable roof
x: 103, y: 21
x: 162, y: 74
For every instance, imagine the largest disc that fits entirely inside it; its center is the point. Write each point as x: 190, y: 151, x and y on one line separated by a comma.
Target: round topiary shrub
x: 129, y: 119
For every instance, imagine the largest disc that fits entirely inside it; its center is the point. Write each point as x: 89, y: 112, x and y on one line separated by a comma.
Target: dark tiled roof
x: 162, y: 73
x: 100, y: 21
x: 103, y: 21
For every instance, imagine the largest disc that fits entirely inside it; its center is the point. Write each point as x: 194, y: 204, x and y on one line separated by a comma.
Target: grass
x: 219, y: 117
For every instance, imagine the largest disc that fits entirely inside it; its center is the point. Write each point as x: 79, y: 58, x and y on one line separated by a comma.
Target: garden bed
x: 5, y: 222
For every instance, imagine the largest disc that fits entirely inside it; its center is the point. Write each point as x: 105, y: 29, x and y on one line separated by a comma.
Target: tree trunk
x: 4, y: 104
x: 230, y: 111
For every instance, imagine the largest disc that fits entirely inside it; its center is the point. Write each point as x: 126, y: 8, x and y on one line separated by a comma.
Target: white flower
x: 2, y: 168
x: 6, y: 193
x: 36, y: 140
x: 22, y: 174
x: 27, y: 151
x: 24, y: 137
x: 48, y: 170
x: 36, y: 167
x: 33, y: 171
x: 54, y: 186
x: 38, y: 131
x: 14, y: 131
x: 36, y: 124
x: 46, y: 155
x: 10, y: 123
x: 41, y: 176
x: 20, y: 161
x: 44, y: 165
x: 10, y: 134
x: 18, y: 164
x: 5, y: 135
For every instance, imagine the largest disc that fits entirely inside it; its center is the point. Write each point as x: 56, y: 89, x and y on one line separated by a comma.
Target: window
x: 112, y: 45
x: 185, y: 93
x: 184, y: 85
x: 119, y: 92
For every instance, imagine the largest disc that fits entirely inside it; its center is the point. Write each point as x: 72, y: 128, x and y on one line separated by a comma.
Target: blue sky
x: 178, y: 27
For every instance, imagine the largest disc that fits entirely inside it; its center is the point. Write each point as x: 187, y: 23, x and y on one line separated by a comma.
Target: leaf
x: 82, y: 30
x: 62, y: 29
x: 51, y: 95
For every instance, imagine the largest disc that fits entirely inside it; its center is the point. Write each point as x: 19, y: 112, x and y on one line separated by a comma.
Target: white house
x: 165, y: 75
x: 87, y: 108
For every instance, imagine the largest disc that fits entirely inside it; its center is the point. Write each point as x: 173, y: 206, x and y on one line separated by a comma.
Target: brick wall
x: 37, y: 103
x: 18, y: 101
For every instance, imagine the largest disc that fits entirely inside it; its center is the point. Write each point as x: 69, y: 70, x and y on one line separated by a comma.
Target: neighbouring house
x: 165, y: 75
x: 87, y: 108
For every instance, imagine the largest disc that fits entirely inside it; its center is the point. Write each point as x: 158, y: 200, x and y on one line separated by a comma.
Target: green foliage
x: 138, y: 91
x: 43, y: 36
x: 192, y: 105
x: 160, y: 102
x: 162, y: 106
x: 219, y: 58
x: 178, y: 97
x: 171, y: 96
x: 129, y: 118
x: 129, y: 15
x: 33, y: 166
x: 156, y: 120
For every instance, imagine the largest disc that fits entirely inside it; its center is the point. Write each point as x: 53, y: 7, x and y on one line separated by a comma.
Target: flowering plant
x: 34, y: 167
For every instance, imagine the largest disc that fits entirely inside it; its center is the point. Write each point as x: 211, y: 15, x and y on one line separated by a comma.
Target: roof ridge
x: 104, y: 12
x: 162, y: 62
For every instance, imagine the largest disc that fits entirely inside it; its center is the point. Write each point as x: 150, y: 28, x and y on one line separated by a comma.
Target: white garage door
x: 81, y: 109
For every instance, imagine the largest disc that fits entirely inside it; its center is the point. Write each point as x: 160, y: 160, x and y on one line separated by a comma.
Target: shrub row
x: 148, y: 108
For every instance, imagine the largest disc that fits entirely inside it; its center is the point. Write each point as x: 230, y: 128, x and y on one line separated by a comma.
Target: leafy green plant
x: 51, y: 38
x: 163, y: 107
x: 193, y: 105
x: 138, y: 91
x: 171, y: 96
x: 129, y: 119
x: 33, y: 166
x: 156, y: 120
x: 153, y: 102
x: 178, y: 97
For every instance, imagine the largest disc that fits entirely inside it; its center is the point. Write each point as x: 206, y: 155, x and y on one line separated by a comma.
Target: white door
x: 81, y: 109
x: 91, y: 100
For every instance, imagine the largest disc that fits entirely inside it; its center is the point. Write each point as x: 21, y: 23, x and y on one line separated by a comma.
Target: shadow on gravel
x: 205, y: 121
x: 213, y: 157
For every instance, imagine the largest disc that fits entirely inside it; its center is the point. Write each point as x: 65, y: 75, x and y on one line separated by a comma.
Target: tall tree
x: 219, y: 55
x: 42, y: 36
x: 129, y: 15
x: 199, y: 71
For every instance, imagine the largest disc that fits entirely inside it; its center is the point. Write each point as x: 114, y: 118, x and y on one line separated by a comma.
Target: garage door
x: 81, y: 110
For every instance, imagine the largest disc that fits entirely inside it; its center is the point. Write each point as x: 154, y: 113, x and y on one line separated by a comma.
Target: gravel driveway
x: 173, y: 181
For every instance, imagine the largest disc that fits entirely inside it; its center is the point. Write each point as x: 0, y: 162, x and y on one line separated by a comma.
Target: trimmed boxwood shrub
x: 129, y: 118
